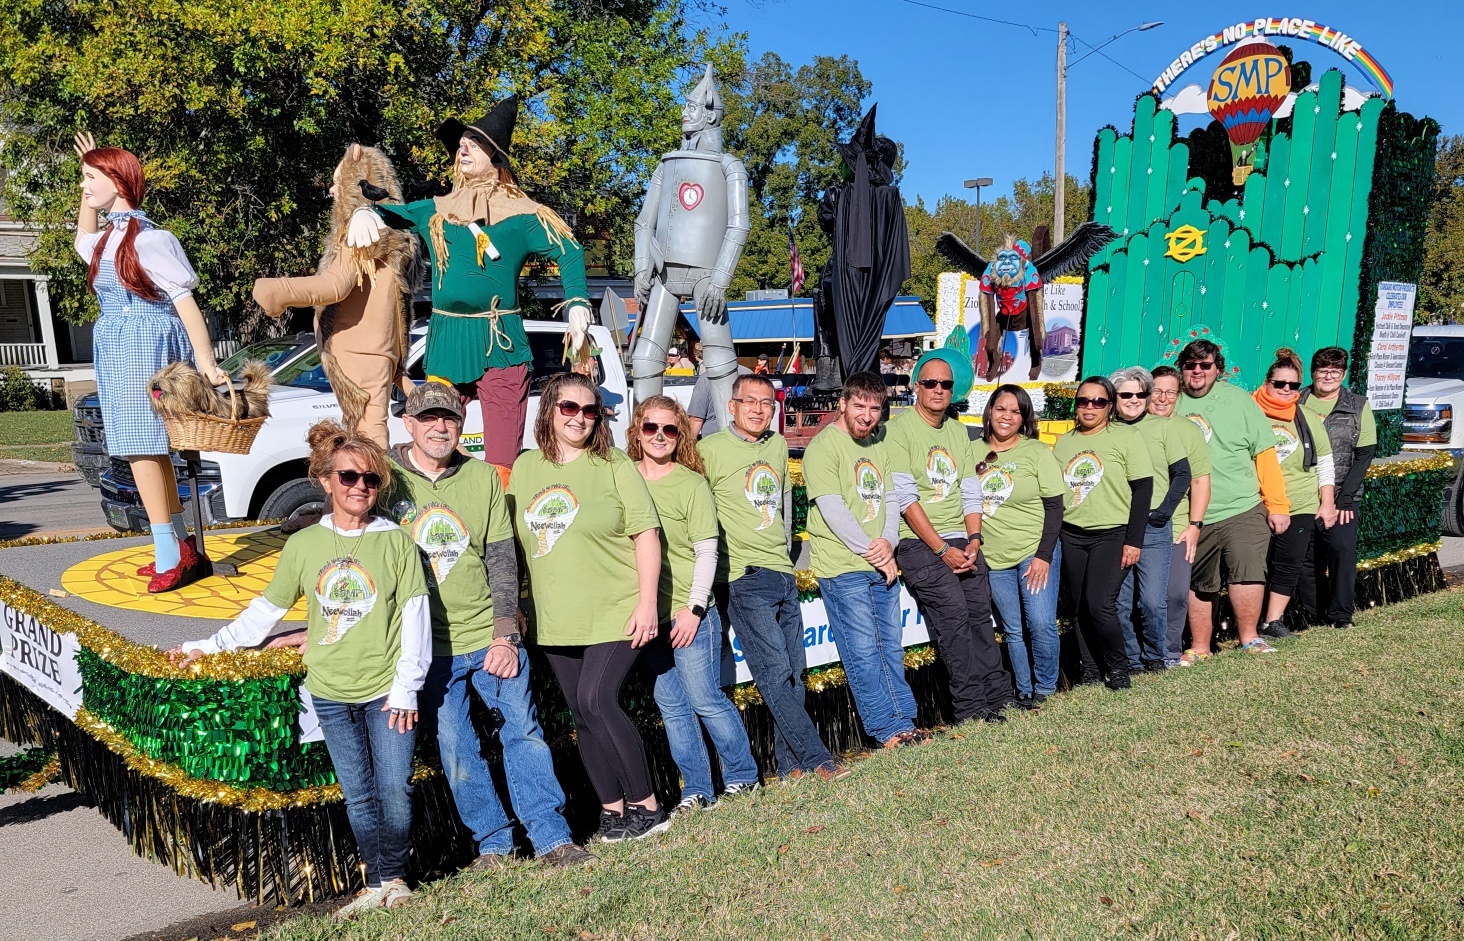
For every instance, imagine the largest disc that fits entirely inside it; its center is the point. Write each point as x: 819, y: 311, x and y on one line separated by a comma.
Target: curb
x: 12, y: 466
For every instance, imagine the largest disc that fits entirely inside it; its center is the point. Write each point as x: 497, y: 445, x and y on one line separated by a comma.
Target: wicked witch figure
x: 688, y: 238
x: 361, y: 296
x: 864, y: 216
x: 1011, y: 292
x: 479, y: 236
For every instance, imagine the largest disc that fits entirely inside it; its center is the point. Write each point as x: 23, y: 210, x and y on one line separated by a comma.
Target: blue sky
x: 969, y: 98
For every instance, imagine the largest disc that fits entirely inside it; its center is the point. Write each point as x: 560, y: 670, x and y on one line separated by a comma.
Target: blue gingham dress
x: 131, y: 341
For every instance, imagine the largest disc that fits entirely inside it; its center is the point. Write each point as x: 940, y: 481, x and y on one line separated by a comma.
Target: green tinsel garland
x: 1401, y: 510
x: 22, y: 765
x: 1390, y: 431
x: 1057, y: 401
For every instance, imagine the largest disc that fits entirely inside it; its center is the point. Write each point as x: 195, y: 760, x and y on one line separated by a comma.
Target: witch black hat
x: 494, y: 129
x: 862, y: 142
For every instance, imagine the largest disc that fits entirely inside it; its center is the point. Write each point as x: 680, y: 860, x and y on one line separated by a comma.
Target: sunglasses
x: 1282, y: 385
x: 946, y: 384
x: 1082, y: 401
x: 570, y: 409
x: 986, y: 462
x: 1206, y: 366
x: 1133, y: 395
x: 650, y: 428
x: 350, y: 478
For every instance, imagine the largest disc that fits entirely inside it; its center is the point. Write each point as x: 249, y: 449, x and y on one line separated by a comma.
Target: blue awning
x: 785, y: 321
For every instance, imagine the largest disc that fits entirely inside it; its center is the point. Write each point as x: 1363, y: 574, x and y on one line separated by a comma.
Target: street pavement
x: 33, y: 503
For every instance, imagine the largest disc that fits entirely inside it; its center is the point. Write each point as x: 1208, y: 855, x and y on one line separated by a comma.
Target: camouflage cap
x: 434, y: 395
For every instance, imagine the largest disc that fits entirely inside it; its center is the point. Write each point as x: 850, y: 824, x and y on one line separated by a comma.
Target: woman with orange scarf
x: 1305, y: 454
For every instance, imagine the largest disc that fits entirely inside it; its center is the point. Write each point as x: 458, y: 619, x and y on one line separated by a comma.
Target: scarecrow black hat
x: 495, y: 129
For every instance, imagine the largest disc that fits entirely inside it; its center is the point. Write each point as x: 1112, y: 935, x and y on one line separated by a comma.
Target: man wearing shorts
x: 1247, y: 500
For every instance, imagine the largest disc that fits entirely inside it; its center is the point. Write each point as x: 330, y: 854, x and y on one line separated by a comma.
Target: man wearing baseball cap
x: 453, y: 508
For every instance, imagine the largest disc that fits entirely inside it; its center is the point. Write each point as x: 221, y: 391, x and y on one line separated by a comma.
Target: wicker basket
x: 210, y: 433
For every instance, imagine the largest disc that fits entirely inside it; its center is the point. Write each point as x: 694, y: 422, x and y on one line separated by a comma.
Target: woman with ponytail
x: 1305, y: 454
x: 144, y: 285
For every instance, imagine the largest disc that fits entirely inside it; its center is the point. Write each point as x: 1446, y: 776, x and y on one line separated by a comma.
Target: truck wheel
x: 1454, y: 506
x: 293, y: 498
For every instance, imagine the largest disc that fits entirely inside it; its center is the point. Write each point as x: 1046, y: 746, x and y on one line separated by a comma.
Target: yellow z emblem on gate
x: 1185, y: 243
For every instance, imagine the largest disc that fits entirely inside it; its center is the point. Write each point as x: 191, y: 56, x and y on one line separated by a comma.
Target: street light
x: 976, y: 185
x: 1059, y: 198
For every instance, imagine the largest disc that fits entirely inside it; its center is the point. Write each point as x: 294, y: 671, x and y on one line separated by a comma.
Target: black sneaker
x: 612, y: 827
x: 1274, y: 629
x: 1119, y: 681
x: 1153, y: 666
x: 1039, y: 698
x: 640, y: 822
x: 994, y: 717
x: 1343, y: 626
x: 1027, y: 703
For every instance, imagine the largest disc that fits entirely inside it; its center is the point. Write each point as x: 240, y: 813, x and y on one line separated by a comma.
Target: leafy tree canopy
x: 1441, y: 290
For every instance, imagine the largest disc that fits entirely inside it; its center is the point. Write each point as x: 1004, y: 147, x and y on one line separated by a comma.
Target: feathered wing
x: 1074, y: 251
x: 960, y: 255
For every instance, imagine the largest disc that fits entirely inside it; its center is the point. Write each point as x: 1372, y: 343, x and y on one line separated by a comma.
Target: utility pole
x: 1059, y: 195
x: 976, y: 185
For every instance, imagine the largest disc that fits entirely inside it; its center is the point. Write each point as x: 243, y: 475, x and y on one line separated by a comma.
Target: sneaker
x: 1258, y: 646
x: 1192, y: 657
x: 1027, y: 703
x: 365, y: 900
x: 395, y: 894
x: 1119, y: 681
x: 1171, y: 663
x: 1275, y: 629
x: 1040, y: 698
x: 919, y: 737
x: 833, y: 771
x: 735, y: 789
x: 691, y: 802
x: 994, y: 717
x: 1154, y: 666
x: 1345, y: 625
x: 640, y: 822
x: 489, y: 861
x: 612, y: 827
x: 567, y: 855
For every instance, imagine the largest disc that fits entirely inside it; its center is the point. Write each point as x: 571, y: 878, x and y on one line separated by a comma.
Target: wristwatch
x: 514, y: 638
x: 700, y: 610
x: 1197, y: 524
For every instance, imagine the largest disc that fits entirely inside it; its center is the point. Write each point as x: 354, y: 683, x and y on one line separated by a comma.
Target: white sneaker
x: 365, y: 900
x: 395, y: 894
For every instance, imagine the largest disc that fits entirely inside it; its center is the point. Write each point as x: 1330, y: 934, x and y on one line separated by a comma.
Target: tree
x: 239, y: 110
x: 1441, y: 289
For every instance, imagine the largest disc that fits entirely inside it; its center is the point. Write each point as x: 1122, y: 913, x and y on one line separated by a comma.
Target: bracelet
x: 976, y: 536
x: 944, y: 548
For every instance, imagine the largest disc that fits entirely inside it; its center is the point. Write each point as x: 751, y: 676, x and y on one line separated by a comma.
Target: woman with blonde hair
x: 367, y: 649
x: 689, y: 680
x: 588, y: 531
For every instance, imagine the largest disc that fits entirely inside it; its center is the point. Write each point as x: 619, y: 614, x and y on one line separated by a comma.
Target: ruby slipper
x: 190, y: 568
x: 151, y: 569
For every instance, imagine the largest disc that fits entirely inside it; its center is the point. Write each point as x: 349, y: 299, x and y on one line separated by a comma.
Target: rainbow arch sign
x: 1295, y: 27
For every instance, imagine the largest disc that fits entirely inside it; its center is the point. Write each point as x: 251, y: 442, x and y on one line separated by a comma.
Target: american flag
x: 796, y: 261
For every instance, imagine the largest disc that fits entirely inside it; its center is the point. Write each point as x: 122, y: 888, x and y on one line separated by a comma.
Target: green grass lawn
x: 36, y: 436
x: 1314, y: 793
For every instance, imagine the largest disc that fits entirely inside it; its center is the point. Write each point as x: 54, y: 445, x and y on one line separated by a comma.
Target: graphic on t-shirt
x: 1201, y: 424
x: 764, y: 490
x: 1083, y: 473
x: 442, y: 537
x: 346, y: 594
x: 997, y: 485
x: 548, y: 515
x: 869, y: 483
x: 940, y: 470
x: 1286, y: 442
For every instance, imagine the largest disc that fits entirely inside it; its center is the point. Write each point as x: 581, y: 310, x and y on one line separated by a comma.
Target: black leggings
x: 1092, y: 564
x: 609, y: 744
x: 1288, y: 554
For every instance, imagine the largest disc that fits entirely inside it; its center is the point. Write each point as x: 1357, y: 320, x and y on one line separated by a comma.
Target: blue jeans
x: 864, y: 614
x: 1152, y: 574
x: 528, y: 766
x: 374, y: 767
x: 689, y: 693
x: 764, y: 608
x: 1029, y: 620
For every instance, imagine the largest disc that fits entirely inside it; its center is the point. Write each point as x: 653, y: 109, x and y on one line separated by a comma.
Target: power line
x: 986, y: 19
x: 1105, y: 55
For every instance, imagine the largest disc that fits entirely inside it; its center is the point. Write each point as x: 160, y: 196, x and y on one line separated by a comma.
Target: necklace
x: 348, y: 559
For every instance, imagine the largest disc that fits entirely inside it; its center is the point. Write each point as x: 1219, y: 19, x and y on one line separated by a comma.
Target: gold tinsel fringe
x: 23, y: 541
x: 1402, y: 555
x: 41, y: 778
x: 795, y: 471
x: 746, y: 694
x: 1404, y: 468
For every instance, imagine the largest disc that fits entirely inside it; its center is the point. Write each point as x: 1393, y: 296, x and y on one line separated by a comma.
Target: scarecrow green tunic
x: 461, y: 348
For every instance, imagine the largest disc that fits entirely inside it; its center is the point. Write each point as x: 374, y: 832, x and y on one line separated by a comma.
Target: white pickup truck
x: 1433, y: 404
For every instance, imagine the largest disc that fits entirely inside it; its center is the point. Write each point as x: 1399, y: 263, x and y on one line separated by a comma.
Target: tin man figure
x: 688, y: 238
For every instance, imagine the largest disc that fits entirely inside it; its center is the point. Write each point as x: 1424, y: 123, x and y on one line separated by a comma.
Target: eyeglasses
x: 650, y: 428
x: 946, y: 384
x: 350, y: 478
x: 1133, y: 395
x: 570, y: 409
x: 1329, y: 371
x: 1206, y: 366
x: 1082, y: 401
x: 432, y: 418
x: 1282, y: 385
x: 750, y: 402
x: 985, y: 463
x: 1165, y: 393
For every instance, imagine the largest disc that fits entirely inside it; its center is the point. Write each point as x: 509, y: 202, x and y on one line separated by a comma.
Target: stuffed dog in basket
x: 179, y: 391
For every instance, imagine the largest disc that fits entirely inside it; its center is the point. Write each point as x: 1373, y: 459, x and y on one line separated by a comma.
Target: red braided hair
x: 125, y: 172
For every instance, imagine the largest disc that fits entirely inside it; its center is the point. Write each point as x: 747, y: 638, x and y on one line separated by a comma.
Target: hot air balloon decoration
x: 1246, y: 90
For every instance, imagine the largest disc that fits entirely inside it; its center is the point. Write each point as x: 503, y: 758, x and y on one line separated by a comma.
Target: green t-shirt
x: 937, y: 458
x: 354, y: 588
x: 1367, y: 432
x: 451, y: 519
x: 747, y: 483
x: 1193, y: 442
x: 1011, y: 502
x: 684, y: 503
x: 1236, y: 432
x: 834, y: 463
x: 1301, y: 484
x: 1097, y: 469
x: 1164, y: 447
x: 576, y: 525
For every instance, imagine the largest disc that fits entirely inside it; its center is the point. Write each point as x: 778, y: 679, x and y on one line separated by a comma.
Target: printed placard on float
x: 41, y: 660
x: 1387, y: 362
